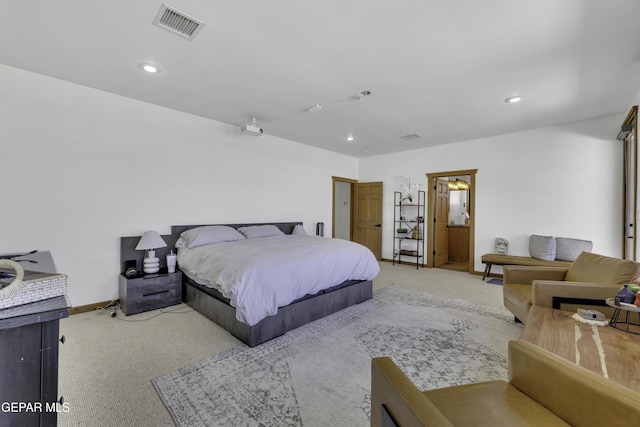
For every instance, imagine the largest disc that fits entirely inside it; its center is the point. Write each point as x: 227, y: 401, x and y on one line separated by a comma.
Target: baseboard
x: 403, y: 262
x: 475, y: 272
x: 88, y: 307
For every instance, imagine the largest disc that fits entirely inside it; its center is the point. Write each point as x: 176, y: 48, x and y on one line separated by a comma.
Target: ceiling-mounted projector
x: 252, y: 128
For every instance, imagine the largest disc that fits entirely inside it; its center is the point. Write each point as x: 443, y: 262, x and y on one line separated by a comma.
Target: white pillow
x: 209, y: 235
x: 256, y: 231
x: 298, y: 230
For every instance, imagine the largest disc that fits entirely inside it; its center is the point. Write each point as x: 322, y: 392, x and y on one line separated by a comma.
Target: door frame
x: 431, y: 186
x: 630, y: 183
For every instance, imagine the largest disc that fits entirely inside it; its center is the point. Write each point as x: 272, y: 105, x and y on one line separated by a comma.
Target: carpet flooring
x: 107, y: 364
x: 319, y: 374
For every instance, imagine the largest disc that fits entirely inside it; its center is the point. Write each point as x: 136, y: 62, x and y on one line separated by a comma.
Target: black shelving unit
x: 408, y: 214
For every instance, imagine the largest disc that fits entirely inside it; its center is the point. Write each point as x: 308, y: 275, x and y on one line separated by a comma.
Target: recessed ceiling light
x: 513, y: 99
x: 350, y: 138
x: 149, y: 68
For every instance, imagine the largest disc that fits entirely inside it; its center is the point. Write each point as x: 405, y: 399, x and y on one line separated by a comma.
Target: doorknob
x: 378, y: 225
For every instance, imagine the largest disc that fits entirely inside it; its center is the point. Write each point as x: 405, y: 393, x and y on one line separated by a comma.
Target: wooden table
x: 604, y: 350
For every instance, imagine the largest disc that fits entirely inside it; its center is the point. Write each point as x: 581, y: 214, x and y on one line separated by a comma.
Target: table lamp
x: 149, y: 241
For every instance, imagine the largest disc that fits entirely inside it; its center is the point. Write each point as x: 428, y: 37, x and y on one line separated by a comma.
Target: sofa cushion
x: 542, y: 247
x: 496, y: 403
x: 580, y: 396
x: 594, y: 268
x: 518, y: 299
x: 569, y: 249
x: 518, y: 294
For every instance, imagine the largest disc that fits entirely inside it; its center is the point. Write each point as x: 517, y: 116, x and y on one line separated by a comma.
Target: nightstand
x: 150, y: 292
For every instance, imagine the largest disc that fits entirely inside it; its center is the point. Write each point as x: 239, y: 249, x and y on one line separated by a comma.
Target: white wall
x: 562, y: 181
x: 82, y: 167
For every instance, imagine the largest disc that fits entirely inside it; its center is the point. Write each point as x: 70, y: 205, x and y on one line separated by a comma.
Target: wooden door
x: 368, y: 216
x: 441, y: 221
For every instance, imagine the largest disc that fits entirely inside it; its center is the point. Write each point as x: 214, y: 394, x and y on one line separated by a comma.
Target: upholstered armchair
x: 543, y: 390
x: 590, y: 280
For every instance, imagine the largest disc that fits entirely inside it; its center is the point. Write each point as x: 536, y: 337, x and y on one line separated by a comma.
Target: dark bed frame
x: 210, y: 303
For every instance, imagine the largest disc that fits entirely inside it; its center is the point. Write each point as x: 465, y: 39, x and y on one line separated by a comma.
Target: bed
x: 219, y: 294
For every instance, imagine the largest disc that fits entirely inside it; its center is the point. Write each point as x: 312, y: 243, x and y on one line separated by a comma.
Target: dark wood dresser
x: 29, y: 339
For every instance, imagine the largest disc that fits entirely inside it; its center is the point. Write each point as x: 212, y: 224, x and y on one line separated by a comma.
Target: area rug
x: 319, y: 374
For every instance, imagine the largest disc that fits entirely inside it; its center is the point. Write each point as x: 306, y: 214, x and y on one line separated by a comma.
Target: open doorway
x: 451, y: 219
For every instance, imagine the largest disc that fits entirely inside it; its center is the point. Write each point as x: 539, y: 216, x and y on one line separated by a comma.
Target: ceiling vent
x: 177, y: 22
x: 411, y: 137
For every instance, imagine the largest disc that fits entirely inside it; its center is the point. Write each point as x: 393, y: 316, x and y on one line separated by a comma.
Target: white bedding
x: 260, y: 275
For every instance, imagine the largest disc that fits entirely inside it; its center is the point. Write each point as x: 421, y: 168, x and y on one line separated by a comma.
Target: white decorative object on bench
x: 501, y: 246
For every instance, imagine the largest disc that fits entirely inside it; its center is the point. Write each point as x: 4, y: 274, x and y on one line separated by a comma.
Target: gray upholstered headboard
x: 286, y: 227
x: 129, y: 243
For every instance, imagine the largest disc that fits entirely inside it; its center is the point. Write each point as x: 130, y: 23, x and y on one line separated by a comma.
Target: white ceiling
x: 437, y: 68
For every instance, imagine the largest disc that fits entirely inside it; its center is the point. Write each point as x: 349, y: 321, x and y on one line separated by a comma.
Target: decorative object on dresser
x: 29, y: 339
x: 19, y: 286
x: 171, y: 262
x: 150, y: 241
x: 15, y: 279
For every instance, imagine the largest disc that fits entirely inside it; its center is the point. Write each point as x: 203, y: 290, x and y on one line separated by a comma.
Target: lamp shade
x: 150, y: 240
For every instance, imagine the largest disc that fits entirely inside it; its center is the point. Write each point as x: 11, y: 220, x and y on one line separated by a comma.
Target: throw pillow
x: 542, y: 247
x: 257, y: 231
x: 298, y: 230
x: 569, y: 249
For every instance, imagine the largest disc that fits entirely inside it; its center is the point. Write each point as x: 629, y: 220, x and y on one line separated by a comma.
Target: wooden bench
x: 499, y: 259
